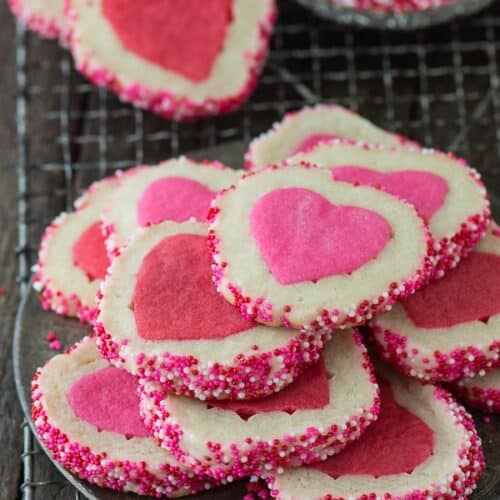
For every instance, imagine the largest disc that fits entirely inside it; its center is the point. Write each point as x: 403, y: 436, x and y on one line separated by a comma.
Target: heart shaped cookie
x: 445, y: 191
x: 89, y: 252
x: 450, y: 329
x: 301, y: 130
x: 72, y: 259
x: 395, y: 428
x: 309, y: 391
x: 177, y: 272
x: 173, y: 198
x: 86, y: 413
x: 426, y: 191
x: 181, y: 59
x: 162, y: 319
x: 229, y: 440
x: 422, y: 444
x: 192, y: 33
x: 176, y: 190
x: 108, y: 400
x: 292, y: 247
x: 317, y: 238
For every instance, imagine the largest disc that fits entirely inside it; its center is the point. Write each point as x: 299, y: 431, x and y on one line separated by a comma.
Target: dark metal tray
x: 409, y: 20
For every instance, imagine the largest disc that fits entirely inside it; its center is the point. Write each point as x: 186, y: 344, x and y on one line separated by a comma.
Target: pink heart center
x: 89, y: 253
x: 108, y: 400
x: 175, y: 298
x: 303, y: 237
x: 313, y: 140
x: 183, y: 36
x: 309, y: 391
x: 424, y: 190
x: 470, y: 292
x: 396, y: 443
x: 175, y: 199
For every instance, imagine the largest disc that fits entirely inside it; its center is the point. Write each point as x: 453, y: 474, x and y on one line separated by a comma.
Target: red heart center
x: 469, y: 292
x: 302, y: 236
x: 173, y: 198
x: 396, y: 443
x: 183, y: 36
x: 89, y: 253
x: 175, y: 298
x: 309, y: 391
x: 424, y: 190
x: 108, y: 400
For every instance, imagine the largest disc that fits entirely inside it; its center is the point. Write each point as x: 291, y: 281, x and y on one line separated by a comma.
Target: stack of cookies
x: 301, y: 322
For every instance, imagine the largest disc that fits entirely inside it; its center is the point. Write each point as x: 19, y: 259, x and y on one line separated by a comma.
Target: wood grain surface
x: 10, y: 414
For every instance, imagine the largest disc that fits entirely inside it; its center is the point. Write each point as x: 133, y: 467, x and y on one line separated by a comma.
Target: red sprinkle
x: 52, y: 335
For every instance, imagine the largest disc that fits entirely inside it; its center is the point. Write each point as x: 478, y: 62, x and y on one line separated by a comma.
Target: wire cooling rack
x: 440, y: 87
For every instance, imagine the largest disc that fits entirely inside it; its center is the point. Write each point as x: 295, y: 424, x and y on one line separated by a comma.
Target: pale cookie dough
x: 443, y: 460
x: 302, y: 130
x: 445, y: 191
x: 291, y: 247
x: 181, y: 59
x: 86, y: 414
x: 72, y: 258
x: 451, y: 328
x: 262, y: 436
x: 162, y: 319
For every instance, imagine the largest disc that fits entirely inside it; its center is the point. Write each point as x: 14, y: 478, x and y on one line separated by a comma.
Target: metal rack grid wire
x: 440, y: 86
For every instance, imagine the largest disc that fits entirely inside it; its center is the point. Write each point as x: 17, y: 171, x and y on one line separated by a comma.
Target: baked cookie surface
x: 180, y: 59
x: 445, y: 191
x: 162, y: 319
x: 451, y: 328
x: 301, y: 130
x: 177, y: 190
x: 72, y: 259
x: 328, y: 406
x: 291, y: 247
x: 423, y: 445
x: 86, y: 414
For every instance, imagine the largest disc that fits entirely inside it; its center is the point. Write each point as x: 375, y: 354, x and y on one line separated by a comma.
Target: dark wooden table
x: 10, y: 412
x: 440, y: 87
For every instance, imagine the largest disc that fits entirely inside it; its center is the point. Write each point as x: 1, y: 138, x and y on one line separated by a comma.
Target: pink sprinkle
x: 55, y: 345
x: 487, y: 419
